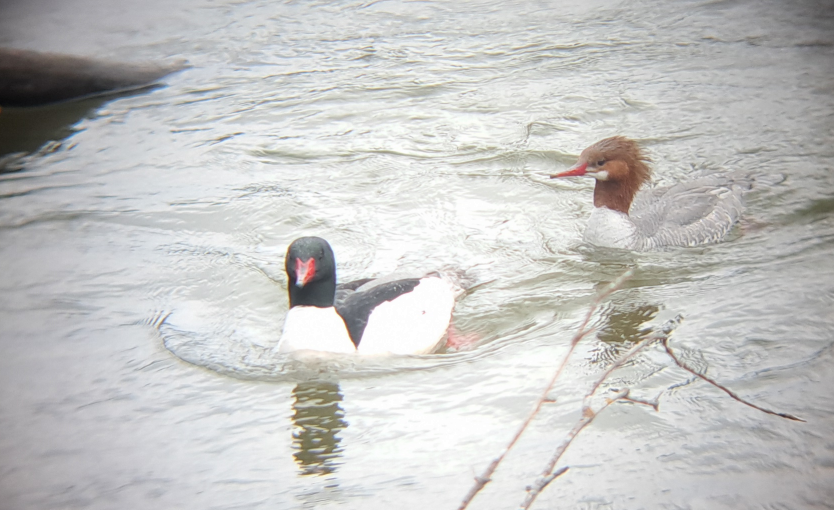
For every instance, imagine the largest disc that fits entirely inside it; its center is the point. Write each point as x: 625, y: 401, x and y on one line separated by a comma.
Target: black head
x: 311, y: 271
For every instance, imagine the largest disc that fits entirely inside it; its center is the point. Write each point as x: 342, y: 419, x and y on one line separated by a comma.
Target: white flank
x: 413, y: 323
x: 316, y: 329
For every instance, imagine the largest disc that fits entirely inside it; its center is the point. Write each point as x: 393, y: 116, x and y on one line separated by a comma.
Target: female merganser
x: 687, y: 214
x: 396, y: 316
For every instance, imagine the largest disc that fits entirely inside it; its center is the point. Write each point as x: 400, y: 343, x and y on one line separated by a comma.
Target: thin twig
x: 549, y: 475
x: 678, y: 362
x: 582, y: 332
x: 654, y: 404
x: 588, y: 414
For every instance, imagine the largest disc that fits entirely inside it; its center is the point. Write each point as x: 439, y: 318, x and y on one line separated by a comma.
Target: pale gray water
x: 414, y: 135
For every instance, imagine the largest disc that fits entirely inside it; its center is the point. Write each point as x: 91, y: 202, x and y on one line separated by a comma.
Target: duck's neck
x: 321, y: 294
x: 615, y: 195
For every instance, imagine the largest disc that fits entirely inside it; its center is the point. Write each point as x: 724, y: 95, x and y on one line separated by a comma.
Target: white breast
x: 610, y: 228
x: 413, y: 323
x: 318, y: 329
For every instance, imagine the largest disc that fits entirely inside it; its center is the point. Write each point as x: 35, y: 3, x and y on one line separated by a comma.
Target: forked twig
x: 681, y: 364
x: 588, y: 414
x: 582, y: 332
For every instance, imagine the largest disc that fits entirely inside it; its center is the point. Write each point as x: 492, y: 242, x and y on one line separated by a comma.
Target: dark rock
x: 29, y: 78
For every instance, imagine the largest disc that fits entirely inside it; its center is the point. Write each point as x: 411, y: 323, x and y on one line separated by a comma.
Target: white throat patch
x: 602, y: 175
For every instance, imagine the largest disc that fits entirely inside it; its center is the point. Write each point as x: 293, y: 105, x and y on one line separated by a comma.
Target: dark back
x: 357, y: 307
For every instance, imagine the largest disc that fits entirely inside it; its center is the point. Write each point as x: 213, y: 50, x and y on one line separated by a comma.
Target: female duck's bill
x: 396, y: 316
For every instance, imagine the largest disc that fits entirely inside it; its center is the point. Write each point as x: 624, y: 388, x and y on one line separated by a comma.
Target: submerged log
x: 29, y: 78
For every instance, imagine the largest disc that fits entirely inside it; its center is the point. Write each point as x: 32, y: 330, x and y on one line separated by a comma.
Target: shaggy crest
x: 619, y: 189
x: 625, y: 149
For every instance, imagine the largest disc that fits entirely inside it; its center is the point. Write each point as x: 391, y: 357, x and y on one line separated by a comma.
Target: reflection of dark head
x: 619, y: 328
x: 318, y: 419
x: 623, y: 325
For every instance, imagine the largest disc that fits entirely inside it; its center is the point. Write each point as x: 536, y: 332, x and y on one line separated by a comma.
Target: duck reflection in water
x: 621, y: 327
x: 318, y: 419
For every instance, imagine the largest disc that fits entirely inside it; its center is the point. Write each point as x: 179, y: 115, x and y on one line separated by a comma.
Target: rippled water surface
x: 142, y: 237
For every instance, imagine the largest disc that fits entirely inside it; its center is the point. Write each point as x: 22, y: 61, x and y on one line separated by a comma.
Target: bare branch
x: 588, y: 414
x: 549, y: 475
x: 678, y: 362
x: 654, y: 404
x: 582, y: 332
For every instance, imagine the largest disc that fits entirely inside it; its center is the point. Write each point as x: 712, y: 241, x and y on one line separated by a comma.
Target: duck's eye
x: 600, y: 162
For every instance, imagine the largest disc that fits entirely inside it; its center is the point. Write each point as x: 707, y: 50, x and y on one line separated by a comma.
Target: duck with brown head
x: 688, y: 214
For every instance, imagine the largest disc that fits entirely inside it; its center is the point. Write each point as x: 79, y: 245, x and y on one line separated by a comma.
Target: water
x: 142, y: 285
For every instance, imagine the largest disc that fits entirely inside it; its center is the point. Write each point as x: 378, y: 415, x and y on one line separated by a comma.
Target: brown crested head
x: 622, y: 157
x: 620, y: 168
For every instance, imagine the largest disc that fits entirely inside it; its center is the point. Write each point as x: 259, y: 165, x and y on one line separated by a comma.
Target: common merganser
x: 388, y: 315
x: 697, y: 212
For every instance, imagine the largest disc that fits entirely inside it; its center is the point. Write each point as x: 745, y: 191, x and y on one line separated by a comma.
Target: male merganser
x: 396, y: 316
x: 688, y: 214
